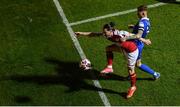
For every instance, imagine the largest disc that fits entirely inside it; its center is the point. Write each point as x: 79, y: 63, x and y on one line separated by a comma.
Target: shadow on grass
x: 169, y: 1
x: 70, y: 75
x: 22, y: 99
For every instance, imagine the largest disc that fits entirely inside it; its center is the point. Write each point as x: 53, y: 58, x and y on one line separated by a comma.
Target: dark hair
x: 142, y: 8
x: 109, y: 26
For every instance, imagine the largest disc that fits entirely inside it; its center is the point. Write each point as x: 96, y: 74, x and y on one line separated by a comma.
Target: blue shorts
x: 140, y: 46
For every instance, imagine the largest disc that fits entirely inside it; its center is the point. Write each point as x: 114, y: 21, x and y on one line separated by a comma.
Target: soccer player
x: 129, y: 48
x: 141, y: 29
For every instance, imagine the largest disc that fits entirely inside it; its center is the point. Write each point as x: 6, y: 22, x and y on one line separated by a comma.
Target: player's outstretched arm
x: 146, y: 41
x: 137, y: 36
x: 134, y: 36
x: 90, y: 34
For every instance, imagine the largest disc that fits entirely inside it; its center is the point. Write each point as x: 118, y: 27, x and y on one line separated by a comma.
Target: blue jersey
x: 144, y: 25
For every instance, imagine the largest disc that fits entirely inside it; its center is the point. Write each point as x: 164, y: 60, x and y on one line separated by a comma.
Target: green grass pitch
x: 39, y: 64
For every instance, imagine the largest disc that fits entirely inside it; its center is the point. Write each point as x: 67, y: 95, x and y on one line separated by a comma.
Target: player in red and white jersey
x: 129, y: 48
x: 117, y: 36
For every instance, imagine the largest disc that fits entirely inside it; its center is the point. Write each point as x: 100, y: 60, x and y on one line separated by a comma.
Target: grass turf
x: 39, y: 64
x: 162, y: 56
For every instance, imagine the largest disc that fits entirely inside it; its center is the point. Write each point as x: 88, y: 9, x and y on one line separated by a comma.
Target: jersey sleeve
x: 141, y: 26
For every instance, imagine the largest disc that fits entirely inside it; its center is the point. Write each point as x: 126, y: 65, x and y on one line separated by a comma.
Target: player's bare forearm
x: 90, y: 34
x: 83, y: 33
x: 131, y: 37
x: 146, y: 41
x: 134, y: 36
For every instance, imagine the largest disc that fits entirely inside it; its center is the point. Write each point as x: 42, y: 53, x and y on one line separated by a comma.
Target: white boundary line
x: 113, y: 14
x: 79, y: 49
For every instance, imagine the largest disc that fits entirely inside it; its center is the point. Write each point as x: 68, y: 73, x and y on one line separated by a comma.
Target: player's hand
x: 130, y: 26
x: 77, y: 34
x: 148, y: 42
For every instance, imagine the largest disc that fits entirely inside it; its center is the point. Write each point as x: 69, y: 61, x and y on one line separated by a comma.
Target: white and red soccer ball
x: 85, y: 64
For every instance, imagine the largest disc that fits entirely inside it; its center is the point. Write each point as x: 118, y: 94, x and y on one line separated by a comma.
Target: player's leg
x: 132, y: 89
x: 132, y: 57
x: 144, y: 67
x: 109, y: 54
x: 147, y: 69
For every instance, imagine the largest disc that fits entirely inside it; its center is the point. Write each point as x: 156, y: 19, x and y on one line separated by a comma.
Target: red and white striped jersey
x: 129, y: 46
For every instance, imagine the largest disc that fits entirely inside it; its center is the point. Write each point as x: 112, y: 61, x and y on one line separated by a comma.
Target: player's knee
x: 131, y: 70
x: 138, y: 63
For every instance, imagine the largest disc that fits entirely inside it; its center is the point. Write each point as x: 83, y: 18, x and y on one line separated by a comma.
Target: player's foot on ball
x: 157, y: 76
x: 107, y: 70
x: 131, y: 92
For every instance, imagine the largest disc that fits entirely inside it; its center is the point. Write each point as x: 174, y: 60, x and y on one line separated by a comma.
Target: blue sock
x: 147, y: 69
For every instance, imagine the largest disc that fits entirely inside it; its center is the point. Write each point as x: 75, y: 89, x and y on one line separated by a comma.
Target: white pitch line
x: 79, y: 49
x: 113, y: 14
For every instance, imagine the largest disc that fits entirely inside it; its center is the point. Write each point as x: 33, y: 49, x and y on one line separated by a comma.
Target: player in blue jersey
x: 141, y: 30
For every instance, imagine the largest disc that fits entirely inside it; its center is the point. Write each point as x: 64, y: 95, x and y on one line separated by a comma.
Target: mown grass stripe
x: 79, y: 49
x: 113, y: 14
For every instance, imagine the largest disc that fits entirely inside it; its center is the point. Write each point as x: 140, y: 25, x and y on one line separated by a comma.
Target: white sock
x: 109, y: 66
x: 155, y: 74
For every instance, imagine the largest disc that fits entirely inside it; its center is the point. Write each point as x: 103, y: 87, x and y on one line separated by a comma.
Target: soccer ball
x: 85, y: 64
